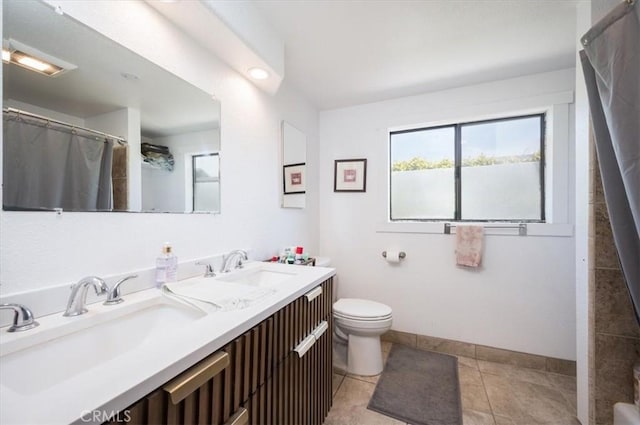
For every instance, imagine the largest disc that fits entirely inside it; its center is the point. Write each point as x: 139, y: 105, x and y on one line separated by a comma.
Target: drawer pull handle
x: 185, y: 384
x: 320, y: 329
x: 305, y: 345
x: 314, y: 293
x: 241, y: 417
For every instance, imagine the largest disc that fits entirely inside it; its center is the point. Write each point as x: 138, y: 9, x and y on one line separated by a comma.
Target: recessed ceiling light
x: 258, y: 74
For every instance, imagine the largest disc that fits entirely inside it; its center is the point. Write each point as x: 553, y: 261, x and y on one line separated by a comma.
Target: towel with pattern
x: 469, y: 245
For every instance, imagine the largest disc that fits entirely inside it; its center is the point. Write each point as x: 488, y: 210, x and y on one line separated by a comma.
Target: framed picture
x: 295, y: 178
x: 350, y: 175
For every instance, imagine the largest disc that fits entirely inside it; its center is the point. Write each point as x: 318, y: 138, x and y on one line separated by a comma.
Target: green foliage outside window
x: 418, y: 163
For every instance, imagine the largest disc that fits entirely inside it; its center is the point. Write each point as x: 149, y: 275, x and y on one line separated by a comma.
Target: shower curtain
x: 611, y: 66
x: 49, y: 166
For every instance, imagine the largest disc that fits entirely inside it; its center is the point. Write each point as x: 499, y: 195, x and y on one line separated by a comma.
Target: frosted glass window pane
x: 422, y: 174
x: 500, y: 174
x: 206, y: 197
x: 207, y: 168
x: 206, y: 183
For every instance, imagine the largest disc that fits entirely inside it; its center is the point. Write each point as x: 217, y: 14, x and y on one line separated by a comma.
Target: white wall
x: 523, y: 297
x: 38, y: 250
x: 23, y: 106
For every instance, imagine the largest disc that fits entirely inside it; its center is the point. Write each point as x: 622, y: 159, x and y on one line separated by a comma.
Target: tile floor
x: 492, y: 394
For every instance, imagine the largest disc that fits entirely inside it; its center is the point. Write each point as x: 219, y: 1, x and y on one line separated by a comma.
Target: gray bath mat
x: 419, y: 387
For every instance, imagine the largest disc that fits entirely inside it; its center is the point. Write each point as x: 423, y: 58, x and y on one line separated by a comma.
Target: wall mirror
x: 57, y: 149
x: 294, y: 166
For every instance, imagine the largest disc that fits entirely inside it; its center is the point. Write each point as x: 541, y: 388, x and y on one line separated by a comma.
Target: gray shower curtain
x: 49, y: 166
x: 611, y: 65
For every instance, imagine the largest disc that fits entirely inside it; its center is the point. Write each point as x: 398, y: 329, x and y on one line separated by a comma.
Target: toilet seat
x: 361, y: 310
x: 360, y: 319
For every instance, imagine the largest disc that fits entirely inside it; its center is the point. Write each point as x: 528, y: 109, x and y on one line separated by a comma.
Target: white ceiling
x: 341, y: 53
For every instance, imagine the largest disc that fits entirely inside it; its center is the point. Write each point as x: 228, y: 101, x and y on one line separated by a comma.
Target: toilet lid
x: 365, y: 309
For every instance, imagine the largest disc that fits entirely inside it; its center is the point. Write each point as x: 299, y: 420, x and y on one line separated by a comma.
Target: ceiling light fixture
x: 34, y: 64
x: 34, y: 60
x: 258, y: 74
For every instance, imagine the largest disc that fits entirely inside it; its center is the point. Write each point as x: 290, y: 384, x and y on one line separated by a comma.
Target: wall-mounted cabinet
x: 278, y: 372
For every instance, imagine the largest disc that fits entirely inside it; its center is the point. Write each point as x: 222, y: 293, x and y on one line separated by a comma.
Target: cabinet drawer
x: 294, y: 322
x: 196, y: 396
x: 299, y: 390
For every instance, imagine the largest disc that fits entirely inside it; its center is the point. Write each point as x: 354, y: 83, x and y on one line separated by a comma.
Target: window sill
x: 533, y: 229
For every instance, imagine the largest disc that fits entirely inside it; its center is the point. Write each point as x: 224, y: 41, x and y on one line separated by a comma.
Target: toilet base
x: 626, y: 414
x: 340, y: 356
x: 364, y: 355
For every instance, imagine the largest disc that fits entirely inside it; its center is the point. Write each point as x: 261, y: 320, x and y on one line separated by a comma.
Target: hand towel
x: 469, y: 245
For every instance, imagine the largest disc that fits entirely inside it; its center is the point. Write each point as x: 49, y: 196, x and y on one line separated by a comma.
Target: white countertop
x: 119, y: 382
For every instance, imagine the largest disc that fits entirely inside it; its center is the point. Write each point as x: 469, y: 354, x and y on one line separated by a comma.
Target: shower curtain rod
x: 73, y: 127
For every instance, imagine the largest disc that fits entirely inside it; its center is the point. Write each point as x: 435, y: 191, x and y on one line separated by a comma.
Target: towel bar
x: 522, y: 227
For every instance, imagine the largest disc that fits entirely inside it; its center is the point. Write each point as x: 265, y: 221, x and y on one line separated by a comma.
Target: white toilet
x: 626, y: 414
x: 359, y: 324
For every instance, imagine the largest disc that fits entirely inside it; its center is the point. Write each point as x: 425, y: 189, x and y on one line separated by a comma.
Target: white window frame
x: 557, y: 107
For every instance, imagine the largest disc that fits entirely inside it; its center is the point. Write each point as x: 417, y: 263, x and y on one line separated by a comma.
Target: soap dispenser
x: 166, y: 266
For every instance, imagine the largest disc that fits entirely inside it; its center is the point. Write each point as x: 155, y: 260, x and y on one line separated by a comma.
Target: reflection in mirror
x: 101, y: 89
x: 206, y: 182
x: 294, y: 151
x: 49, y: 164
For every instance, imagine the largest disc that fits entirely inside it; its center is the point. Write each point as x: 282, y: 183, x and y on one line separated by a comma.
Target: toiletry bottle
x: 299, y: 251
x: 166, y: 266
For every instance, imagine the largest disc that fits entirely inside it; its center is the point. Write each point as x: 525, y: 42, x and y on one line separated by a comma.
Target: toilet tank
x: 323, y: 262
x: 326, y: 262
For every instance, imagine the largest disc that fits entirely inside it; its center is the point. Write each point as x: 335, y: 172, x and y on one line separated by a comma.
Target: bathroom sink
x: 236, y: 290
x: 258, y: 277
x: 82, y: 343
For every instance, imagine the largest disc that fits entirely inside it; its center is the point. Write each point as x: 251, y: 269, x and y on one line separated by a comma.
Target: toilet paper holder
x: 402, y: 254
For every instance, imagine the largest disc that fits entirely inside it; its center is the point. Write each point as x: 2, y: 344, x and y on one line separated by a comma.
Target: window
x: 475, y: 171
x: 206, y: 182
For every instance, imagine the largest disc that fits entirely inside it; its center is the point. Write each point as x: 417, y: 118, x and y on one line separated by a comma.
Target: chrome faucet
x: 78, y: 297
x: 209, y: 272
x: 233, y: 260
x: 22, y: 317
x: 114, y: 296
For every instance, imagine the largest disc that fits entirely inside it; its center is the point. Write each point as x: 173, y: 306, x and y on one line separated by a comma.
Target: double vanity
x: 262, y: 356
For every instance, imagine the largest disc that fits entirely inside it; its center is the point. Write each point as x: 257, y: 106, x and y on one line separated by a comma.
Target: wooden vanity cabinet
x: 258, y: 378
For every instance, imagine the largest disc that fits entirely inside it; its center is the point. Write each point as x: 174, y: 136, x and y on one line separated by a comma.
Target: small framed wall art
x: 294, y: 178
x: 350, y: 175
